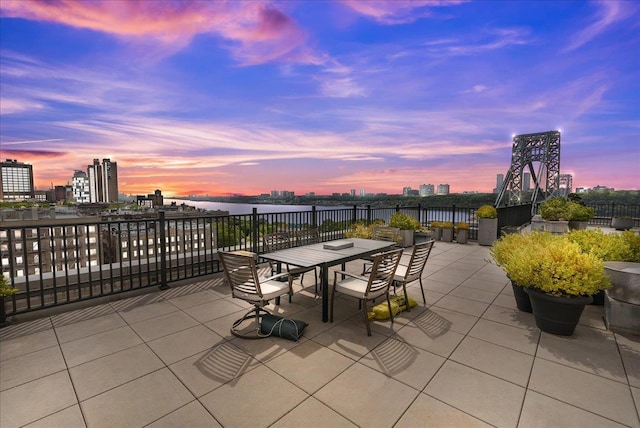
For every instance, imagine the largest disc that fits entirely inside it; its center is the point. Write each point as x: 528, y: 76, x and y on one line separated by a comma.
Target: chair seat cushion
x: 270, y: 290
x: 356, y: 288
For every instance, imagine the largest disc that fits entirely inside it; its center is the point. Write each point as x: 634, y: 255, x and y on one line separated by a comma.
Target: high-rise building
x: 526, y: 181
x: 499, y: 183
x: 406, y: 191
x: 443, y: 189
x: 103, y: 181
x: 426, y: 189
x: 363, y: 193
x: 80, y: 186
x: 16, y: 181
x: 353, y: 192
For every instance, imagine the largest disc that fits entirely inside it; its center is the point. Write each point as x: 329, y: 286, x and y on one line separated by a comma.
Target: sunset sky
x: 246, y: 97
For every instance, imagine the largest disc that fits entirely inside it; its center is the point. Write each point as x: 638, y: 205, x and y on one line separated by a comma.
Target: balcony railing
x: 55, y: 262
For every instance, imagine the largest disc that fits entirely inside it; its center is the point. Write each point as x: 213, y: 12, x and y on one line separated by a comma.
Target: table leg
x: 324, y: 273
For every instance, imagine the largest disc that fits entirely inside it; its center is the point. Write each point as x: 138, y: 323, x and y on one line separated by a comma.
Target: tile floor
x: 469, y: 358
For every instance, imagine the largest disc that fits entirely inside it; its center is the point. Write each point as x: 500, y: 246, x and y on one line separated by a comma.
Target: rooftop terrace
x: 469, y: 358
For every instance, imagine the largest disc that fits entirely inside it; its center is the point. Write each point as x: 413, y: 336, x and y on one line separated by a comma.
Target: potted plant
x: 422, y: 235
x: 5, y: 291
x: 555, y: 212
x: 436, y: 230
x: 579, y: 215
x: 462, y: 232
x: 559, y: 277
x: 447, y: 231
x: 621, y: 222
x: 407, y: 225
x: 487, y: 224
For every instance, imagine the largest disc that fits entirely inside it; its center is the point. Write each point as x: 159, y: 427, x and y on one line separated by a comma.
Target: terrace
x: 161, y: 358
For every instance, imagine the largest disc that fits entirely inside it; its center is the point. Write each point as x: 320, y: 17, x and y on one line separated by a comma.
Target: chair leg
x: 255, y: 314
x: 406, y: 296
x: 366, y: 316
x: 390, y: 311
x: 422, y: 289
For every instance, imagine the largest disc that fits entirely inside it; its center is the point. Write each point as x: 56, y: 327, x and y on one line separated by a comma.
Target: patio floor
x: 469, y: 358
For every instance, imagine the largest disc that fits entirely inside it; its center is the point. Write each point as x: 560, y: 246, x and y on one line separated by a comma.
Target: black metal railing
x: 54, y: 262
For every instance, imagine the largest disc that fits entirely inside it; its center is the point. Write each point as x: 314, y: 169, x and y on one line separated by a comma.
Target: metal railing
x: 55, y: 262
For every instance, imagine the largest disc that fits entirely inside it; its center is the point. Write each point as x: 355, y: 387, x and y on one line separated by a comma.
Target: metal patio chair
x: 413, y: 270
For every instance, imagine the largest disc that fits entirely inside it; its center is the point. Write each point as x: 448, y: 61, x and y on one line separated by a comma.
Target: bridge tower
x: 541, y: 149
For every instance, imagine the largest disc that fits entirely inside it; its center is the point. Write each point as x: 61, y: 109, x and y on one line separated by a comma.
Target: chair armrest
x: 352, y: 275
x: 276, y: 276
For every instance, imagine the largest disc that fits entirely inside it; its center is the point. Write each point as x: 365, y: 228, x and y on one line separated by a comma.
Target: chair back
x: 276, y: 241
x: 385, y: 233
x: 382, y: 271
x: 241, y: 272
x: 418, y: 260
x: 307, y: 236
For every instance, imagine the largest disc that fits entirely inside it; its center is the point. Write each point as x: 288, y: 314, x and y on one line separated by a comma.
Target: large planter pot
x: 419, y: 237
x: 487, y: 231
x: 436, y: 233
x: 407, y: 237
x: 625, y: 281
x: 447, y: 235
x: 557, y: 314
x: 577, y: 225
x: 522, y: 298
x: 461, y: 236
x: 556, y: 226
x: 622, y: 223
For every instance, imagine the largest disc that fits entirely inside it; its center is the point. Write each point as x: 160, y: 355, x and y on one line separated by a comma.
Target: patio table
x: 318, y: 255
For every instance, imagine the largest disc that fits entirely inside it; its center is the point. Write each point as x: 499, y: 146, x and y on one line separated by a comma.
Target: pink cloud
x: 256, y: 32
x: 397, y: 11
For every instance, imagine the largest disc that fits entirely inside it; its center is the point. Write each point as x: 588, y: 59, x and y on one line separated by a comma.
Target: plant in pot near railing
x: 487, y: 224
x: 558, y: 276
x: 407, y: 225
x: 5, y: 291
x: 436, y: 230
x: 447, y: 231
x: 622, y: 222
x: 555, y: 213
x: 462, y: 232
x: 579, y: 215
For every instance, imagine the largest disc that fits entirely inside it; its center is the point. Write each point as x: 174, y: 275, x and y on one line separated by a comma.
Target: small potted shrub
x: 447, y: 231
x: 579, y: 216
x: 487, y: 224
x: 359, y: 230
x: 407, y: 225
x: 462, y: 232
x: 5, y: 291
x: 622, y: 222
x: 555, y: 212
x: 422, y: 235
x: 436, y: 230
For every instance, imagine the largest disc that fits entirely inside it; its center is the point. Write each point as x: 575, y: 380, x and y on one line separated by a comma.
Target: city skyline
x: 218, y: 98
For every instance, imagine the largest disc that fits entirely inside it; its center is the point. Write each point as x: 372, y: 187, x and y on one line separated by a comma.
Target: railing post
x: 354, y: 217
x: 397, y: 208
x: 368, y: 215
x: 163, y: 252
x: 453, y: 219
x: 314, y: 217
x: 255, y: 230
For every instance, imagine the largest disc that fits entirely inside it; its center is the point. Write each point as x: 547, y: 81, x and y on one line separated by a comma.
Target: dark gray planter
x: 621, y: 223
x: 556, y: 226
x: 557, y: 314
x: 577, y: 225
x: 487, y: 231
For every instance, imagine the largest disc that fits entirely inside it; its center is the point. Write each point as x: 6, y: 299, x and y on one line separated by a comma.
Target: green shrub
x: 404, y: 222
x: 359, y: 230
x: 5, y: 289
x: 447, y: 225
x: 579, y: 212
x: 462, y: 226
x: 555, y: 209
x: 606, y: 246
x: 487, y: 211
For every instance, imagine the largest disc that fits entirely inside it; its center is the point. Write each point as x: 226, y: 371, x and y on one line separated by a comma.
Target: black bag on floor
x: 274, y: 325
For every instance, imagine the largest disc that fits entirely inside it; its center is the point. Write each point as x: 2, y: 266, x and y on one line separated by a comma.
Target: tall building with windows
x: 443, y: 189
x: 16, y: 181
x: 499, y: 183
x: 526, y: 181
x: 426, y: 189
x: 103, y: 181
x: 80, y: 187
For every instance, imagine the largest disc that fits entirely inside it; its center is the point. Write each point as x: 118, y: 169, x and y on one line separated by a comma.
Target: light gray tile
x: 206, y: 371
x: 594, y: 351
x: 138, y: 402
x: 439, y: 339
x: 596, y: 394
x: 71, y: 417
x: 313, y: 414
x: 459, y: 304
x: 97, y: 346
x: 488, y: 398
x: 504, y: 335
x: 97, y: 376
x: 163, y: 325
x: 309, y: 365
x: 496, y: 360
x: 34, y: 365
x: 183, y: 344
x: 194, y: 299
x: 403, y: 362
x: 141, y: 312
x: 22, y: 345
x: 350, y: 340
x: 367, y: 397
x: 474, y: 294
x: 440, y: 318
x: 511, y: 316
x: 426, y: 411
x: 70, y: 332
x: 193, y: 415
x: 212, y: 310
x: 238, y: 404
x: 540, y: 411
x: 32, y: 401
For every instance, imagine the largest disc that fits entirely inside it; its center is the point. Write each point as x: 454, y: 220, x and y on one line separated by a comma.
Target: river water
x: 240, y: 209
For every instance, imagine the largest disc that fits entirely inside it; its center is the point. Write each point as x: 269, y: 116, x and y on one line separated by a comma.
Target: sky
x: 246, y: 97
